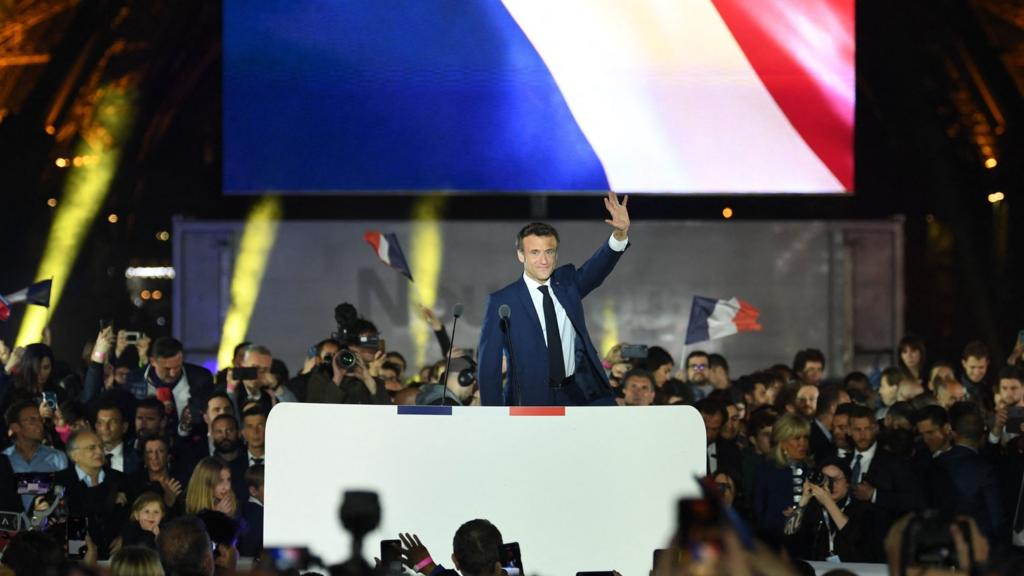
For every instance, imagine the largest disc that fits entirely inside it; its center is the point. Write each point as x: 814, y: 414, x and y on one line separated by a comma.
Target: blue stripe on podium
x: 426, y: 410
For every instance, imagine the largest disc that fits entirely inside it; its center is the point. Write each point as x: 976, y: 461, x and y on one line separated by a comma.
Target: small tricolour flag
x: 389, y: 251
x: 711, y: 319
x: 38, y: 294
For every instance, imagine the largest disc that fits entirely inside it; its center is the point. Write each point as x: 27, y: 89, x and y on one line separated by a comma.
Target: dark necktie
x: 110, y: 460
x: 556, y: 362
x: 257, y: 461
x: 856, y: 469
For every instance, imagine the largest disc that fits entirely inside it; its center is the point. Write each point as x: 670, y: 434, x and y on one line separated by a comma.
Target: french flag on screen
x: 711, y: 319
x: 389, y: 251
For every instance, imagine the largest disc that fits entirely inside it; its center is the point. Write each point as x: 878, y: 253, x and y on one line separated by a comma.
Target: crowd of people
x: 152, y: 450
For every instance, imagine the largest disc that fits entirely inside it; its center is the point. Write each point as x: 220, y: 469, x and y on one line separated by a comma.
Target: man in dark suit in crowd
x: 878, y: 476
x: 723, y: 455
x: 168, y: 377
x: 554, y: 362
x: 968, y: 483
x: 94, y: 491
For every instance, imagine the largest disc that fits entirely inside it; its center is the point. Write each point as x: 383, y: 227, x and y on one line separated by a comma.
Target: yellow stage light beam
x: 426, y: 253
x: 258, y: 239
x: 85, y: 190
x: 610, y: 323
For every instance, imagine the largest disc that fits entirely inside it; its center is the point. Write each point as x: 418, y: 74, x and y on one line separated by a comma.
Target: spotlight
x: 991, y: 163
x: 157, y: 294
x: 61, y: 162
x: 163, y: 235
x: 51, y: 130
x: 996, y: 197
x: 145, y: 295
x: 112, y: 218
x: 52, y: 202
x: 726, y: 212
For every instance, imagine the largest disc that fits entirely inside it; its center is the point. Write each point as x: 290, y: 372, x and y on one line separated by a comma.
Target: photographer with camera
x: 928, y: 542
x: 828, y: 524
x: 352, y: 376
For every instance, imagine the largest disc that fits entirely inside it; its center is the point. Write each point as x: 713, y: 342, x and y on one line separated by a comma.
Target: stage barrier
x: 579, y: 488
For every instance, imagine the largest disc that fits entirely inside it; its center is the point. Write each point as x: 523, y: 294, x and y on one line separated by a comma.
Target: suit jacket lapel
x: 527, y: 301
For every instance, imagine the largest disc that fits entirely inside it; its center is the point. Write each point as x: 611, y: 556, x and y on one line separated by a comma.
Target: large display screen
x: 559, y: 96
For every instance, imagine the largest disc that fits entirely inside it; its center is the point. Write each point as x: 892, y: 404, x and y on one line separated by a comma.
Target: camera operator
x: 349, y: 382
x: 830, y: 525
x: 926, y: 542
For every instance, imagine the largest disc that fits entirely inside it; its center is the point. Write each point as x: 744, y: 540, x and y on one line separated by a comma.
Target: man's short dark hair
x: 147, y: 438
x: 844, y: 409
x: 858, y: 411
x: 217, y: 394
x: 828, y: 398
x: 535, y: 229
x: 225, y: 416
x: 975, y: 349
x: 320, y: 345
x: 808, y: 355
x: 856, y: 378
x: 254, y: 476
x: 658, y: 357
x: 937, y: 415
x: 1011, y: 373
x: 695, y: 353
x: 710, y: 407
x: 151, y: 403
x: 166, y: 347
x: 184, y: 546
x: 477, y: 546
x: 13, y: 413
x: 637, y: 373
x: 258, y: 349
x: 251, y: 411
x: 718, y: 361
x: 894, y: 375
x: 968, y: 425
x: 761, y: 417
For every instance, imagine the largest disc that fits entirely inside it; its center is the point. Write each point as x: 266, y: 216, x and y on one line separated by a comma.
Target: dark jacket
x: 106, y: 506
x: 250, y: 540
x: 966, y: 483
x: 322, y: 389
x: 854, y: 543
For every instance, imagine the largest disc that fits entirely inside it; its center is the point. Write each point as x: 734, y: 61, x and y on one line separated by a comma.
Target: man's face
x: 217, y: 406
x: 156, y: 456
x: 254, y: 430
x: 168, y: 370
x: 732, y: 426
x: 262, y: 364
x: 841, y: 431
x: 760, y: 396
x: 390, y: 378
x: 662, y: 374
x: 148, y: 421
x: 638, y: 391
x: 935, y: 437
x: 539, y: 255
x: 121, y: 375
x: 29, y: 425
x: 813, y: 372
x: 718, y: 377
x: 763, y: 440
x: 110, y: 427
x: 327, y: 351
x: 1011, y: 391
x: 224, y: 433
x: 807, y: 400
x: 713, y: 425
x: 862, y: 432
x: 975, y: 368
x: 88, y: 452
x: 697, y: 369
x: 951, y: 393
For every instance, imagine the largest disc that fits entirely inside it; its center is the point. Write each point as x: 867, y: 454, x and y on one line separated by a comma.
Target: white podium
x: 579, y: 488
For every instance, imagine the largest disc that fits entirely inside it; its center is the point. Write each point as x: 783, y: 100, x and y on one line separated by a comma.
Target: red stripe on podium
x: 536, y: 411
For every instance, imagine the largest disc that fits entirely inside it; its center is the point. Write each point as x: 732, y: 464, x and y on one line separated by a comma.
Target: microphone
x: 505, y: 313
x: 456, y: 313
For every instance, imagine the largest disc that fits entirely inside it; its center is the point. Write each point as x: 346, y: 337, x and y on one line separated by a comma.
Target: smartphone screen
x: 77, y: 527
x: 131, y: 337
x: 249, y: 373
x: 288, y: 558
x: 511, y: 561
x: 391, y: 556
x: 51, y: 400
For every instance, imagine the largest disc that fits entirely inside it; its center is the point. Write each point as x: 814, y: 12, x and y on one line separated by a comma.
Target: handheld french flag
x: 38, y: 294
x: 711, y: 319
x: 389, y: 251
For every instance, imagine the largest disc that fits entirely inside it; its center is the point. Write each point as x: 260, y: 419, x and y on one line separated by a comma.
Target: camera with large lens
x: 818, y: 477
x: 344, y: 359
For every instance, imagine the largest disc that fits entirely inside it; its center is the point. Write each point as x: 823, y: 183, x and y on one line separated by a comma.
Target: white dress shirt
x: 117, y: 457
x: 566, y: 331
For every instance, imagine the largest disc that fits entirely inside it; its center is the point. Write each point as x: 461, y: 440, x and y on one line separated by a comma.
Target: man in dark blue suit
x: 555, y: 363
